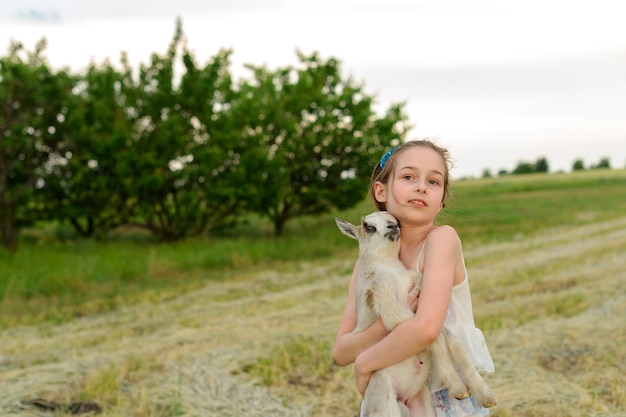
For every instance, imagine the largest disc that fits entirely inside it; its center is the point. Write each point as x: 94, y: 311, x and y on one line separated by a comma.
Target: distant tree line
x: 182, y: 149
x: 579, y: 165
x: 541, y: 165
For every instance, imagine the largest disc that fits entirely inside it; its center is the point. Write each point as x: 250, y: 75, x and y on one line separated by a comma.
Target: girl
x: 411, y: 183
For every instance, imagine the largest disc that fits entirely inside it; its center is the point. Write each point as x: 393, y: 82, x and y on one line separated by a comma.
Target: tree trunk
x: 7, y: 231
x: 279, y: 223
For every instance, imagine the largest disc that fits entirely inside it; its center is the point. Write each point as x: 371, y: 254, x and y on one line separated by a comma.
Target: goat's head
x: 378, y: 232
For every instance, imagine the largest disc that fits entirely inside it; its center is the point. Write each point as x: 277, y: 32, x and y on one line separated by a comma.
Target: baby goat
x: 382, y: 289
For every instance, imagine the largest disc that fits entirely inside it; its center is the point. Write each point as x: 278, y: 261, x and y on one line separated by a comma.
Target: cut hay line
x: 550, y: 238
x: 523, y: 381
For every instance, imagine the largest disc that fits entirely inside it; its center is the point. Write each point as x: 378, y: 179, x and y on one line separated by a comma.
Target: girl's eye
x: 434, y: 182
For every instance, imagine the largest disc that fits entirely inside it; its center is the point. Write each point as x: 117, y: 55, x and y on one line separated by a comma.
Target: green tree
x: 187, y: 145
x: 90, y: 188
x: 312, y: 138
x: 578, y: 165
x: 524, y: 167
x: 34, y: 100
x: 603, y: 163
x: 213, y: 175
x: 541, y: 165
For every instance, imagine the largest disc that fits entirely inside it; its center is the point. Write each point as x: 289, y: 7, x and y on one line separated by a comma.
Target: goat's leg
x: 380, y: 398
x: 477, y: 386
x: 444, y: 362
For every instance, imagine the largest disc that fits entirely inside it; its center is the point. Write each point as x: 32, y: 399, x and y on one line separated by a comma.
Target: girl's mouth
x: 418, y: 202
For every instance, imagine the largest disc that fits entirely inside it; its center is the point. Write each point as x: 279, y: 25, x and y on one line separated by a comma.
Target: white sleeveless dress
x: 460, y: 321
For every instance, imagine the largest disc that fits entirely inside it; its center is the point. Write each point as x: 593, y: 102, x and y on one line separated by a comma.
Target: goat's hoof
x: 462, y: 396
x: 459, y: 394
x: 488, y: 401
x: 456, y: 389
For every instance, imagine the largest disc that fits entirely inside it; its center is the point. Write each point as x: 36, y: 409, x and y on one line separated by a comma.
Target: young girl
x: 411, y: 183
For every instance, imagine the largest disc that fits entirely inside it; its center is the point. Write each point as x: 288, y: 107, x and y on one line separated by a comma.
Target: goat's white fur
x: 382, y: 289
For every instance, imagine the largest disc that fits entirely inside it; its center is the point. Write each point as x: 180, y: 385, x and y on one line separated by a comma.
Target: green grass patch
x: 53, y: 279
x: 303, y: 362
x: 514, y: 206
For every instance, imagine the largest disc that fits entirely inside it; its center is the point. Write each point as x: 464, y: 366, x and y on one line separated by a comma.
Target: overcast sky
x: 495, y: 81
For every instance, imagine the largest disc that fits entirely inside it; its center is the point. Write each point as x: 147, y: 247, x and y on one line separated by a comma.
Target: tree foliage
x: 578, y: 165
x: 604, y: 162
x: 312, y: 137
x: 32, y: 129
x: 88, y: 186
x: 187, y: 145
x: 524, y: 167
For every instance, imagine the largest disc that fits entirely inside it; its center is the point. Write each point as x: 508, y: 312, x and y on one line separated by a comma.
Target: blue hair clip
x: 385, y: 157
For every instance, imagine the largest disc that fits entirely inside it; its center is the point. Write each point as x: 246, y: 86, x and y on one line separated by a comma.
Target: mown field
x: 244, y: 324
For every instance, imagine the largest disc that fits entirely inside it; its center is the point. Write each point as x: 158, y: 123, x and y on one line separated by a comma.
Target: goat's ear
x: 346, y: 228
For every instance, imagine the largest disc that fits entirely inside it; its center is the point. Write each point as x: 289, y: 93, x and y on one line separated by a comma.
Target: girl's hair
x: 385, y: 167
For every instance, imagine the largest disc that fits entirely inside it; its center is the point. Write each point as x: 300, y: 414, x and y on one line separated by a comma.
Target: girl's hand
x: 413, y: 298
x: 362, y: 377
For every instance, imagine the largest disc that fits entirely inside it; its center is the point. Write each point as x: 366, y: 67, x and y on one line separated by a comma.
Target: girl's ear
x: 380, y: 192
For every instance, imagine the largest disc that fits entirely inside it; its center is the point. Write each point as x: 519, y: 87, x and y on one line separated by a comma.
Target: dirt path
x: 178, y: 357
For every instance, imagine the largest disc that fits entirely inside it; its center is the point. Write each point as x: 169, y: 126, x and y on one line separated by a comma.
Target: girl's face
x: 415, y: 190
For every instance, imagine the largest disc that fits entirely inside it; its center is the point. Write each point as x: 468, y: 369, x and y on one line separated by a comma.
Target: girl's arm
x: 441, y: 255
x: 349, y: 345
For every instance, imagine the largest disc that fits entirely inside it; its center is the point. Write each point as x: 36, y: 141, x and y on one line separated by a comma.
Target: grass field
x: 244, y: 324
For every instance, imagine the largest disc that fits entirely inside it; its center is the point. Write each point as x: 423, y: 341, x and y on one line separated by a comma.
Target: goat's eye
x: 370, y: 229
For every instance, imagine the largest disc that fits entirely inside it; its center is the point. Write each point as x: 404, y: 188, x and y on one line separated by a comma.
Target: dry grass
x: 552, y: 307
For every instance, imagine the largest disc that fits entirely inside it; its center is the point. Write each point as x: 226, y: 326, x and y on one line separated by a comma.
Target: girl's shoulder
x: 444, y: 234
x: 444, y: 239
